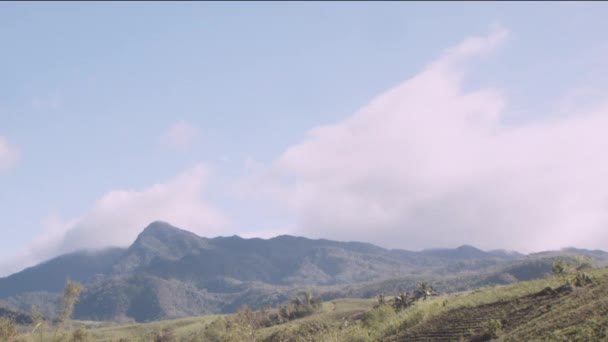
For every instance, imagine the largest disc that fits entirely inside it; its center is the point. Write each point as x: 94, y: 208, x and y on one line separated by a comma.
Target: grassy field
x: 181, y: 329
x: 542, y: 310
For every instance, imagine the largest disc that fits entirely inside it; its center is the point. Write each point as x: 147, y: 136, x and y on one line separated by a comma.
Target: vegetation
x: 271, y: 299
x: 8, y: 329
x: 169, y: 273
x: 491, y: 327
x: 39, y: 329
x: 544, y: 309
x: 246, y: 324
x: 70, y: 296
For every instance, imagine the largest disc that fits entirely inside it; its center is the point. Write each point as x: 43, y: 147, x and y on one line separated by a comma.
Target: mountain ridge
x: 168, y: 272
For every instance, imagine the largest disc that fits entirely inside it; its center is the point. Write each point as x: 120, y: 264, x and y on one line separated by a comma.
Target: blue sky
x: 99, y: 98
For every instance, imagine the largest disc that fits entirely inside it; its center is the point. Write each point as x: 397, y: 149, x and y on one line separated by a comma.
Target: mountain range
x: 168, y: 272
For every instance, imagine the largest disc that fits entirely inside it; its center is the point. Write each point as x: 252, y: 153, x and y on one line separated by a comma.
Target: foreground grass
x: 184, y: 329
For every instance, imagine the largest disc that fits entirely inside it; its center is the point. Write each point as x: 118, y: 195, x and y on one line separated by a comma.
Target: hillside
x: 169, y: 273
x: 50, y: 276
x: 542, y: 309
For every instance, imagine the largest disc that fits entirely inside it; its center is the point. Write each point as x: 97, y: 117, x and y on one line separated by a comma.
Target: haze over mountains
x: 169, y: 272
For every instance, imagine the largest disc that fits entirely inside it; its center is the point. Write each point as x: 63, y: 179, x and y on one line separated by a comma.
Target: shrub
x: 402, y: 301
x: 164, y: 335
x: 71, y: 292
x: 8, y: 329
x: 79, y: 335
x: 301, y: 305
x: 243, y: 326
x: 560, y: 267
x: 215, y: 331
x: 581, y: 279
x: 378, y: 316
x: 492, y: 327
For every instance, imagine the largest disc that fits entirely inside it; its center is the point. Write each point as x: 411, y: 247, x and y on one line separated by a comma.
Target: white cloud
x: 428, y: 164
x: 9, y: 154
x: 180, y: 136
x: 119, y: 216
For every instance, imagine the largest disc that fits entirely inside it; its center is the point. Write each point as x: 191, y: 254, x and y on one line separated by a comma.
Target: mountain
x: 20, y: 318
x: 168, y: 272
x: 598, y: 255
x: 460, y: 253
x: 50, y: 276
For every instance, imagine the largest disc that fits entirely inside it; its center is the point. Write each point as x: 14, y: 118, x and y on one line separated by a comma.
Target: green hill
x: 168, y: 273
x: 539, y: 310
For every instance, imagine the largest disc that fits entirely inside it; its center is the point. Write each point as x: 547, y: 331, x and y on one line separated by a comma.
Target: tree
x: 308, y: 299
x: 571, y: 271
x: 423, y: 291
x: 402, y: 301
x: 560, y: 267
x: 243, y: 327
x: 71, y: 292
x: 316, y: 302
x: 300, y: 305
x: 381, y: 299
x: 296, y: 301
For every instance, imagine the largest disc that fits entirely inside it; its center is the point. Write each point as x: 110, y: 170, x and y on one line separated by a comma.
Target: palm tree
x: 402, y: 301
x: 423, y: 291
x: 381, y: 299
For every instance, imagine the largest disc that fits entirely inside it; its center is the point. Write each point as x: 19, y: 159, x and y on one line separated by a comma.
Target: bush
x: 581, y: 279
x: 313, y: 330
x: 243, y: 326
x: 560, y: 267
x: 492, y: 327
x: 79, y: 335
x: 301, y: 305
x: 378, y: 316
x: 8, y: 329
x: 164, y: 335
x: 71, y: 292
x: 215, y: 331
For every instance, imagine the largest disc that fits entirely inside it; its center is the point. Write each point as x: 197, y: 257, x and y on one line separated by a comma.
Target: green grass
x: 579, y: 316
x: 333, y: 312
x: 108, y: 331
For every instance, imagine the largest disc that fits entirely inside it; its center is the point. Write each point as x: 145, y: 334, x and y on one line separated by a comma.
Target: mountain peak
x: 158, y: 226
x: 163, y: 233
x: 160, y: 240
x: 468, y: 248
x: 462, y: 252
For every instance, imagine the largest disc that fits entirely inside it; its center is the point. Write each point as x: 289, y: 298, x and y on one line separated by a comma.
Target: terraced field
x: 562, y: 313
x: 467, y: 323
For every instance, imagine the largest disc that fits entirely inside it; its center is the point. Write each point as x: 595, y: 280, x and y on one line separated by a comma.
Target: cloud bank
x: 119, y: 216
x: 430, y: 164
x: 9, y: 154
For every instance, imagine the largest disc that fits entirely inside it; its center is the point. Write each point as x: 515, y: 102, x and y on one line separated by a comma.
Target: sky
x: 407, y: 125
